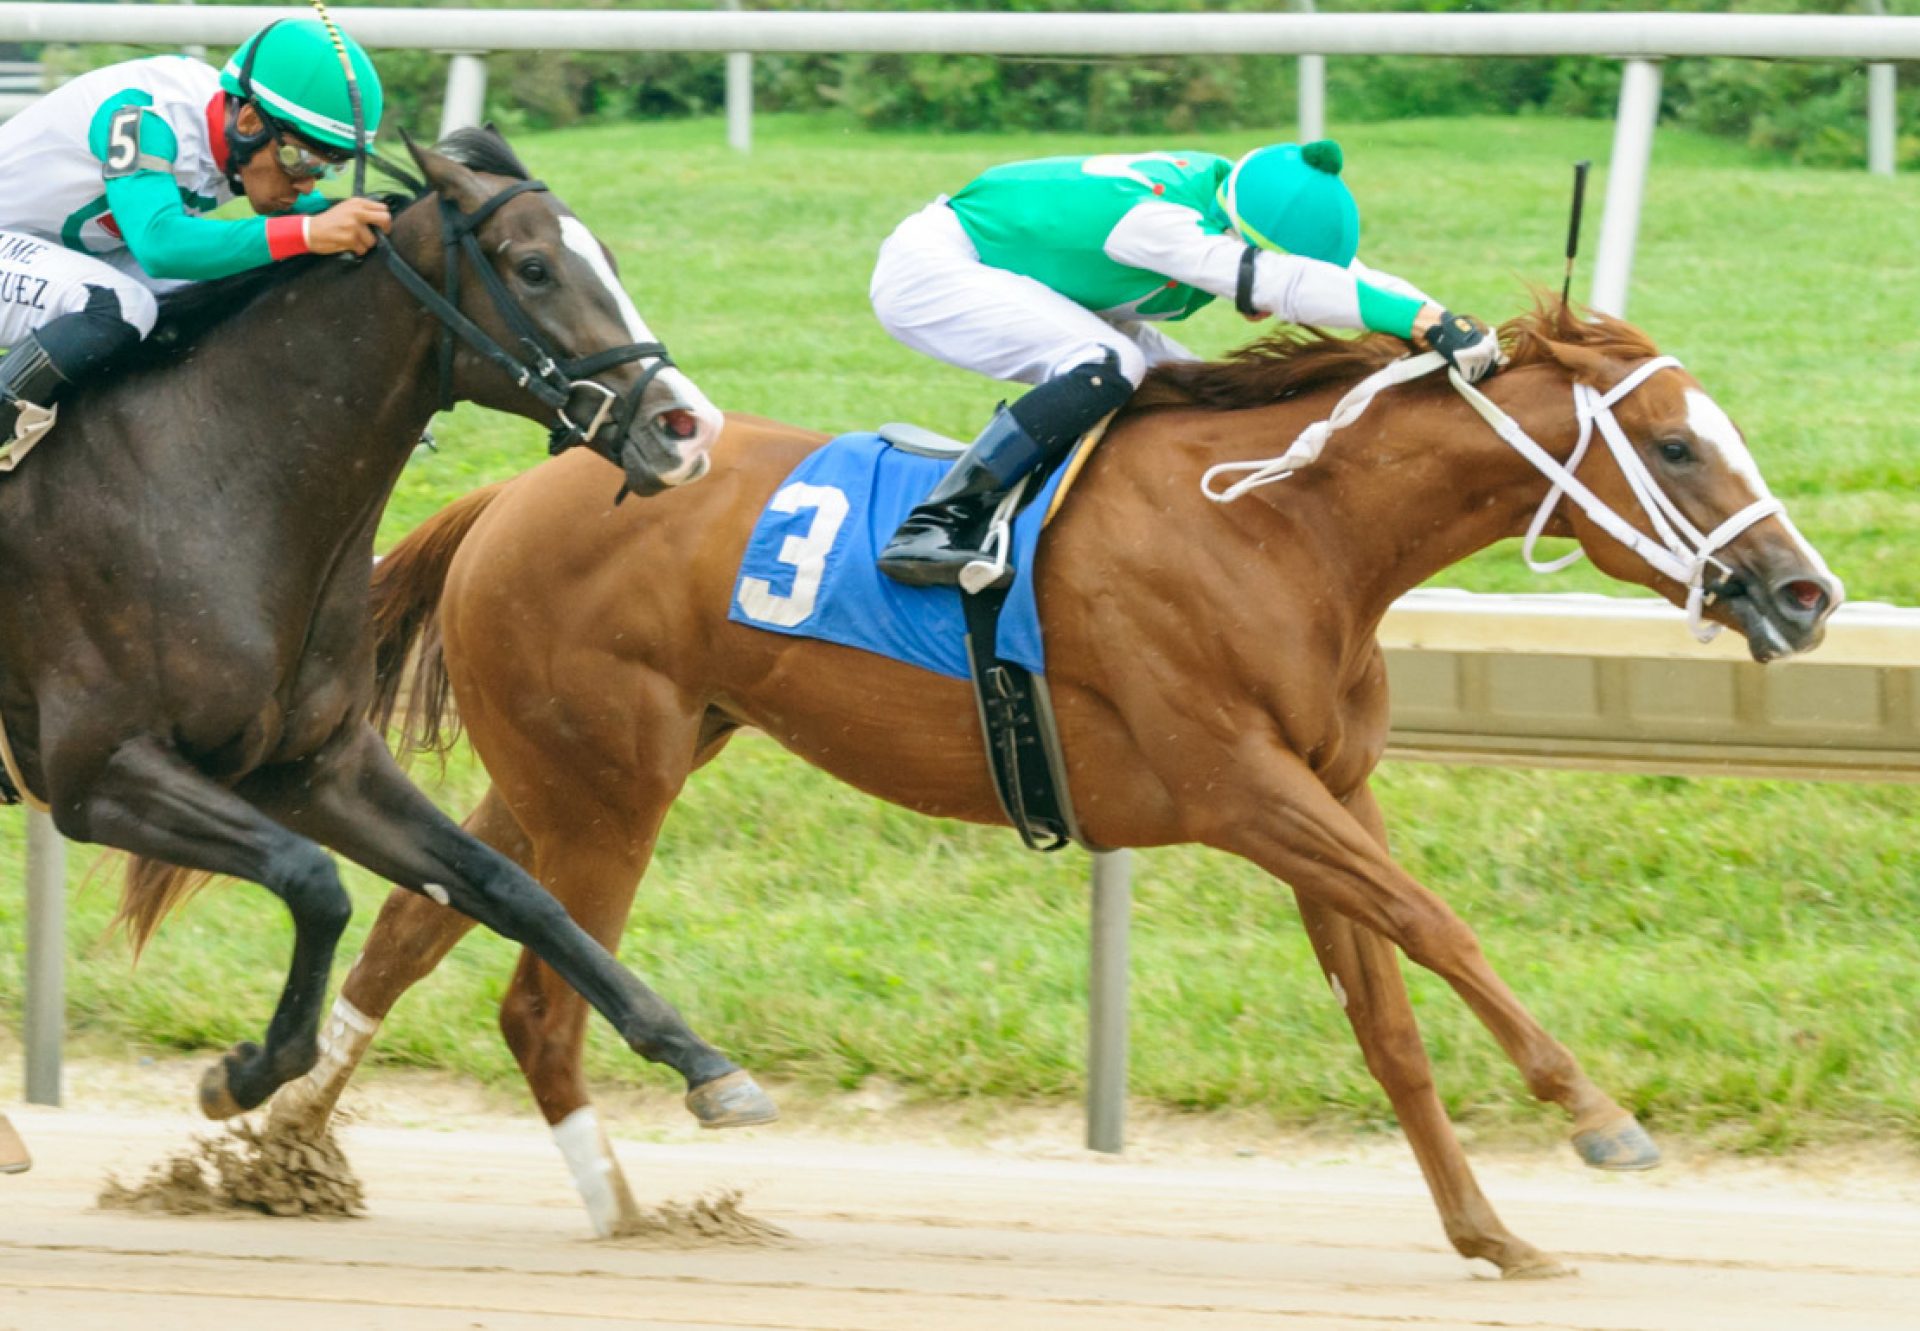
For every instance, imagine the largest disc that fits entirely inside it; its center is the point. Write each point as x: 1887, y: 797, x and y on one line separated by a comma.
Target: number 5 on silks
x: 807, y: 554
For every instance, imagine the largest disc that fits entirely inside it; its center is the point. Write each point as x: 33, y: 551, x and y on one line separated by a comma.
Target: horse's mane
x: 1290, y: 362
x: 188, y: 313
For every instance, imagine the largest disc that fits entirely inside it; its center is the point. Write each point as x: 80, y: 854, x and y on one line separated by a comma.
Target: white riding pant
x: 40, y: 281
x: 933, y: 293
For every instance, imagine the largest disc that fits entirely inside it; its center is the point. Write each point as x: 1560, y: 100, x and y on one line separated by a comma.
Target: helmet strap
x: 241, y: 147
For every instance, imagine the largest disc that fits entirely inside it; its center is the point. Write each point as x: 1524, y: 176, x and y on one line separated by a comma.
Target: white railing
x: 1618, y: 36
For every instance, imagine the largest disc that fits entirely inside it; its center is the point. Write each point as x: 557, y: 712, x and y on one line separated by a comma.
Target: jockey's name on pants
x: 23, y: 289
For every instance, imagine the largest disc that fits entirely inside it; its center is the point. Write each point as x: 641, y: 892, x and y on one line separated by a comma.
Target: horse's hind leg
x: 412, y: 936
x: 149, y: 801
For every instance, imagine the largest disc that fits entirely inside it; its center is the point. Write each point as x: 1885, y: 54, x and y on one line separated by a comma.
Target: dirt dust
x: 715, y: 1219
x: 246, y: 1169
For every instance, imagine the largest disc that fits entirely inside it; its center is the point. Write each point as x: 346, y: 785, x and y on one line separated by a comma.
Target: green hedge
x: 1812, y: 113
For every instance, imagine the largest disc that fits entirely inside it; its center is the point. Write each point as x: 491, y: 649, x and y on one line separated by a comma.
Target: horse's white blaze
x: 581, y: 242
x: 705, y: 415
x: 1712, y: 426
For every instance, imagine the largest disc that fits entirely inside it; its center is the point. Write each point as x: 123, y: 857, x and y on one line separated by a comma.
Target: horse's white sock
x: 309, y: 1101
x: 588, y: 1155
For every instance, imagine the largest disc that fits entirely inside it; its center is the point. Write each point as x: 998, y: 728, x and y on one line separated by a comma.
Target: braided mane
x: 1290, y: 362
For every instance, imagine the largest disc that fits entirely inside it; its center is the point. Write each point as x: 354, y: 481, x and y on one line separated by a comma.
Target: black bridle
x: 552, y: 377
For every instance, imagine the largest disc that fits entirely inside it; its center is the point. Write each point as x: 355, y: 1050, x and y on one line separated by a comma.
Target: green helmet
x: 292, y: 71
x: 1290, y: 197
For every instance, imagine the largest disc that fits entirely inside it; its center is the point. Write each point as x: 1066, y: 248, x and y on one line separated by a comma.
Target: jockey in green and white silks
x: 105, y: 184
x: 1055, y: 272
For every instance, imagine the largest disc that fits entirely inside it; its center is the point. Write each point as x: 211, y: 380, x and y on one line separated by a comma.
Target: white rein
x: 1681, y: 551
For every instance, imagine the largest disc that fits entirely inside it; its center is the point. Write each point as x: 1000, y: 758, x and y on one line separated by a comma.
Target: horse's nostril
x: 1804, y: 595
x: 678, y: 423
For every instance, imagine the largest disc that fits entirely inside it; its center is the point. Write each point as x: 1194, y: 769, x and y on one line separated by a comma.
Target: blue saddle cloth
x: 809, y: 571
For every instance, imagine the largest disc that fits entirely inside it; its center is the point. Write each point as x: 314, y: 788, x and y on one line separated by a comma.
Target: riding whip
x: 1580, y: 169
x: 353, y: 100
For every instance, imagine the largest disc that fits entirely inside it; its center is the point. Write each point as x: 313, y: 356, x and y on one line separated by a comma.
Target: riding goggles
x: 301, y: 161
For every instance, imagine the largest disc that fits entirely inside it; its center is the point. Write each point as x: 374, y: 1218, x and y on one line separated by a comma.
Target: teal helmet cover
x: 1289, y: 197
x: 292, y: 70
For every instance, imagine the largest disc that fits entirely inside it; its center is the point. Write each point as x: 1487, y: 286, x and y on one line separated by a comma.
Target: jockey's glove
x: 1468, y: 345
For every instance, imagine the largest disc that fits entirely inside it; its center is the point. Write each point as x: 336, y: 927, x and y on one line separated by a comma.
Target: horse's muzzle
x: 1786, y: 614
x: 670, y: 440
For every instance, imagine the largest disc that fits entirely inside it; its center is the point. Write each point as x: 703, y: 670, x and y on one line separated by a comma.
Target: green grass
x: 1736, y: 959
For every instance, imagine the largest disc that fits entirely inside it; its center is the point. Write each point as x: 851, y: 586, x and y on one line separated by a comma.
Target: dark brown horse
x: 1214, y: 669
x: 186, y: 658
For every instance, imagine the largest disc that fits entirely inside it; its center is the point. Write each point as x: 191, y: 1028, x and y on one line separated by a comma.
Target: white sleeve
x: 1170, y: 239
x: 1373, y: 277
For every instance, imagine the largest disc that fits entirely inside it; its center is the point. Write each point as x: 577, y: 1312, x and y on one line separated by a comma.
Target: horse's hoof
x: 1622, y: 1144
x: 217, y: 1100
x: 732, y: 1101
x: 13, y: 1152
x: 1539, y: 1267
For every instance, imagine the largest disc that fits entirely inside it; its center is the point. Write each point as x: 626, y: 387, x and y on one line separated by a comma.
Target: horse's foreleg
x: 1284, y: 820
x: 412, y: 936
x: 360, y: 804
x: 149, y: 801
x: 1364, y: 973
x: 545, y: 1022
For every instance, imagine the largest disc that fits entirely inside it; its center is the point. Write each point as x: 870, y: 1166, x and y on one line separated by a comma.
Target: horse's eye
x: 532, y: 270
x: 1675, y: 451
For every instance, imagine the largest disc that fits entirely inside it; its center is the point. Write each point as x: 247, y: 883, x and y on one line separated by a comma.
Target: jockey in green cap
x: 1055, y: 272
x: 105, y: 184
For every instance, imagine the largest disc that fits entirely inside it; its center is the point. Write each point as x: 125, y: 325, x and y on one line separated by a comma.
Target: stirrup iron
x: 980, y: 574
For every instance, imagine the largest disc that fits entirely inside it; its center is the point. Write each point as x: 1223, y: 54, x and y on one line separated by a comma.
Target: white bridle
x: 1677, y: 549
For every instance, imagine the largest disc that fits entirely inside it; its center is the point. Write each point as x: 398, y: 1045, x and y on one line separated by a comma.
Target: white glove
x: 1468, y: 345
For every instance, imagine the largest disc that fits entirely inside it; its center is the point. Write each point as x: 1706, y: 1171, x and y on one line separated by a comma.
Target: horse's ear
x: 1588, y: 365
x: 446, y: 177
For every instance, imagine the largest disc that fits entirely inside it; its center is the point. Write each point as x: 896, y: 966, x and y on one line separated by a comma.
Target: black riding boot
x: 29, y: 383
x: 944, y: 533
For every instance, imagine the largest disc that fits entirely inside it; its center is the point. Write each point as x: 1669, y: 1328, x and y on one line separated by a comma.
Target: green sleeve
x: 1387, y: 311
x: 313, y: 202
x: 161, y: 234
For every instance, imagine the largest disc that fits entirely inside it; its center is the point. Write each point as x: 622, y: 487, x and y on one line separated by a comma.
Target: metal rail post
x: 739, y: 96
x: 1107, y: 1001
x: 1881, y: 122
x: 1626, y: 184
x: 1882, y: 119
x: 46, y: 958
x: 466, y: 99
x: 1313, y: 90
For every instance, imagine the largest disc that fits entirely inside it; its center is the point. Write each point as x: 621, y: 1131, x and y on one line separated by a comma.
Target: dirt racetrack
x: 478, y: 1228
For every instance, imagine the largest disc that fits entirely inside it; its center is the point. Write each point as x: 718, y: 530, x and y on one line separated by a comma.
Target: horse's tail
x: 407, y: 585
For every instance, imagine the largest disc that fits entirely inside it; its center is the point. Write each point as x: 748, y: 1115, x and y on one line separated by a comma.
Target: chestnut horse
x: 1214, y: 670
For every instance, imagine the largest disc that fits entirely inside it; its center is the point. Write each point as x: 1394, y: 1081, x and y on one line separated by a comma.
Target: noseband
x: 555, y: 379
x: 1679, y: 549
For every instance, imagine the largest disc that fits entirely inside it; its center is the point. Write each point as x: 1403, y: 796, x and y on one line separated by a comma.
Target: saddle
x: 1015, y: 707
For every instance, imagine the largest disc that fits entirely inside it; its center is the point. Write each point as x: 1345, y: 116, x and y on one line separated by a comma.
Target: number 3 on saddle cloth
x: 809, y: 571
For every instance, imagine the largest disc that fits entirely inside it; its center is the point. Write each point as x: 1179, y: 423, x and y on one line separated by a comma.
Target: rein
x: 541, y: 370
x: 1681, y: 551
